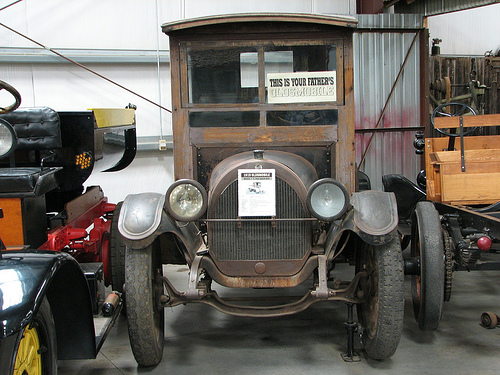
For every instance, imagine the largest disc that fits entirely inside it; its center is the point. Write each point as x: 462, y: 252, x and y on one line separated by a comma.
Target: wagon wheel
x: 144, y: 288
x: 450, y: 110
x: 427, y: 287
x: 36, y: 348
x: 381, y: 313
x: 17, y: 98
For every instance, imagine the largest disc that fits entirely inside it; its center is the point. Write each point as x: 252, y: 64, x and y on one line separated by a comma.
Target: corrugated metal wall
x: 381, y: 45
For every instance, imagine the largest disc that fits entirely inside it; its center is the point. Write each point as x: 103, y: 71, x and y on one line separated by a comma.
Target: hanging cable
x: 83, y: 66
x: 7, y: 6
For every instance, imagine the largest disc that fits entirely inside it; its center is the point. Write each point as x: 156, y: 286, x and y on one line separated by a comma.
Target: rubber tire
x: 43, y: 322
x: 381, y: 315
x: 489, y: 320
x: 117, y: 252
x: 145, y: 319
x: 427, y: 289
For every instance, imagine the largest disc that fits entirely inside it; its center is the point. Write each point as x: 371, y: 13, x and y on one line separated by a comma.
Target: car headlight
x: 327, y: 199
x: 186, y: 200
x: 8, y: 138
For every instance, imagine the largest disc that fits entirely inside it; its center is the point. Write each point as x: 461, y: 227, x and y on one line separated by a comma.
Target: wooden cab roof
x: 254, y: 19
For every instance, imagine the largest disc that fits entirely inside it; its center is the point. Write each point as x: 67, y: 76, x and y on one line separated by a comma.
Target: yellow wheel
x: 36, y: 352
x: 28, y: 359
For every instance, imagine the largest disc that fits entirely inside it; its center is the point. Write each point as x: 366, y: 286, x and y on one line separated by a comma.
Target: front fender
x: 140, y: 216
x: 26, y: 277
x: 142, y: 219
x: 375, y: 216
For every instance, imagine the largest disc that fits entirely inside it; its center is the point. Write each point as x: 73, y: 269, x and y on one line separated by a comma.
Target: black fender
x: 28, y: 276
x: 373, y: 216
x: 407, y: 194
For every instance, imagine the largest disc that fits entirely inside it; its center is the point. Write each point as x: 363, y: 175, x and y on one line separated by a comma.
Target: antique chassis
x: 226, y: 126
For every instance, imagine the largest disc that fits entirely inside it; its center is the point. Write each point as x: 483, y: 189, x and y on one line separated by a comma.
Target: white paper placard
x: 256, y: 192
x: 302, y: 87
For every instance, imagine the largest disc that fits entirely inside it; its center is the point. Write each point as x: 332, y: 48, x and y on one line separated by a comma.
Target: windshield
x: 283, y: 79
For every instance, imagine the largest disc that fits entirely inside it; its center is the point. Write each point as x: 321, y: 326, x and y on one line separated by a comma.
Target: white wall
x: 468, y: 32
x: 111, y: 26
x: 134, y: 26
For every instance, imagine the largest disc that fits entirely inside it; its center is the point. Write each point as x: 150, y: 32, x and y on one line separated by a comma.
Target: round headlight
x: 8, y: 138
x: 186, y: 200
x: 327, y: 199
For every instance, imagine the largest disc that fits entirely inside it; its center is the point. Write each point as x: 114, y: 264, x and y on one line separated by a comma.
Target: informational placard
x: 302, y: 87
x: 256, y: 192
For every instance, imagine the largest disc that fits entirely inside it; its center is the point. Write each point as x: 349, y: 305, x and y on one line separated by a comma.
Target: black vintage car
x: 59, y: 245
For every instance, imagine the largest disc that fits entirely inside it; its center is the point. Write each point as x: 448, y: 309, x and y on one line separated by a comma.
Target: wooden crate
x: 480, y: 182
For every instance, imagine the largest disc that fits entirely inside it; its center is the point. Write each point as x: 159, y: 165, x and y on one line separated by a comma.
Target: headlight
x: 8, y: 138
x: 327, y: 199
x: 186, y: 200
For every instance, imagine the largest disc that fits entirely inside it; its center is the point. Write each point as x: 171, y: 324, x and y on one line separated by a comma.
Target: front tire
x: 381, y: 314
x: 143, y: 288
x: 36, y: 351
x: 427, y: 288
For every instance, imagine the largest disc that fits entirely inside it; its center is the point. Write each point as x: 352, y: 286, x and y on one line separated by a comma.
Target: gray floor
x: 200, y: 340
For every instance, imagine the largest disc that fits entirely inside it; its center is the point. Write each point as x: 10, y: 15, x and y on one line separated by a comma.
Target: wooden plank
x: 478, y: 156
x: 468, y: 121
x: 272, y: 135
x: 475, y: 142
x: 470, y: 167
x: 345, y: 155
x: 471, y: 188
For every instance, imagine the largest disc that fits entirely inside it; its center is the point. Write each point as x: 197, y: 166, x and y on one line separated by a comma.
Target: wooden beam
x: 468, y: 121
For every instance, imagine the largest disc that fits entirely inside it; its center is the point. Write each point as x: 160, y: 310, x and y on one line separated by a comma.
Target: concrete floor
x: 200, y: 340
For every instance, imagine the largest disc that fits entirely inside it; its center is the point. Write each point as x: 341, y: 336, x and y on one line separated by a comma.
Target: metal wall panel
x: 433, y: 7
x: 379, y: 54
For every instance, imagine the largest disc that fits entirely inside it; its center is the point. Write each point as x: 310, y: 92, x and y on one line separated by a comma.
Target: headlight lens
x: 8, y: 138
x: 186, y: 200
x: 327, y: 199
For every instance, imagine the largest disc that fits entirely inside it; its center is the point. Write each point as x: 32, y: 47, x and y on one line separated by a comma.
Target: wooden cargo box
x: 471, y: 177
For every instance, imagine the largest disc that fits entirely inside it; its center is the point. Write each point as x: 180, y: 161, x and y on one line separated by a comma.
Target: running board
x: 103, y: 322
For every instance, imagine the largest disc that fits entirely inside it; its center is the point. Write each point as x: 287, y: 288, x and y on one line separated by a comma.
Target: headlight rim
x: 198, y: 186
x: 322, y: 181
x: 13, y: 146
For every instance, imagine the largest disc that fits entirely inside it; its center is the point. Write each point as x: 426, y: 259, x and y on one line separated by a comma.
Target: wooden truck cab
x: 248, y: 82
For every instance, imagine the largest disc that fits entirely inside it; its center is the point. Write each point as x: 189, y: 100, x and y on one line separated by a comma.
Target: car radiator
x: 260, y: 240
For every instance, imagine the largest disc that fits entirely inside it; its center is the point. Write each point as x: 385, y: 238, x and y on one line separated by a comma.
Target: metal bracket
x: 322, y: 290
x: 462, y: 151
x: 193, y: 292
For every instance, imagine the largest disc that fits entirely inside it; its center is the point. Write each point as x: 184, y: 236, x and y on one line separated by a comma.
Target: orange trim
x: 11, y: 226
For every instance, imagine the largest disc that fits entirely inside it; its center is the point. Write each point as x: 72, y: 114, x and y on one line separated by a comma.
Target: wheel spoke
x: 461, y: 111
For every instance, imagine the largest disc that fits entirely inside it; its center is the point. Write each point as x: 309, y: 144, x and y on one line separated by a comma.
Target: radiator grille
x: 258, y: 240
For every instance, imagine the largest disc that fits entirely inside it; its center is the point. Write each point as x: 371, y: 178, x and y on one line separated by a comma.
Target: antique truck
x: 265, y: 184
x: 59, y: 245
